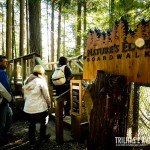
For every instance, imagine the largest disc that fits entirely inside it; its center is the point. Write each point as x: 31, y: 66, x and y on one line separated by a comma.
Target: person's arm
x: 45, y: 93
x: 51, y: 83
x: 68, y: 73
x: 5, y: 82
x: 4, y: 93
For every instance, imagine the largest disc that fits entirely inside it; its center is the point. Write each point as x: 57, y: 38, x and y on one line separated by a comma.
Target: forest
x: 53, y: 28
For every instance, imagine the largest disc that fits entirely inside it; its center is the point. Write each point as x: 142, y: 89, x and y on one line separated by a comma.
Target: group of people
x: 37, y: 100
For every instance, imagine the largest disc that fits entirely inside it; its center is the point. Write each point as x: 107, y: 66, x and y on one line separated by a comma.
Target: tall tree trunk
x: 3, y: 49
x: 47, y: 9
x: 111, y: 12
x: 59, y: 33
x: 14, y: 52
x: 35, y: 26
x: 9, y: 30
x: 84, y: 21
x: 27, y: 27
x: 78, y: 38
x: 64, y: 37
x: 52, y: 32
x: 22, y: 6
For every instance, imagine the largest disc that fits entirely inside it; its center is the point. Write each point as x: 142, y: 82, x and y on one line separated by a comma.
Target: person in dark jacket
x: 62, y: 88
x: 5, y: 110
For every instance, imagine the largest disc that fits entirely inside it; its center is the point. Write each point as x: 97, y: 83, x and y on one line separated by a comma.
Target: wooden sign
x: 120, y: 51
x: 76, y: 97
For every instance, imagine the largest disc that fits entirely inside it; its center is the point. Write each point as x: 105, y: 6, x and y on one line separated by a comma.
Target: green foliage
x: 100, y: 14
x: 132, y: 10
x: 144, y: 110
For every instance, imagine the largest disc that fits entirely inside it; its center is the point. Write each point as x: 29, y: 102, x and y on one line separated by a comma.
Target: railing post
x: 23, y: 70
x: 59, y: 104
x: 15, y: 72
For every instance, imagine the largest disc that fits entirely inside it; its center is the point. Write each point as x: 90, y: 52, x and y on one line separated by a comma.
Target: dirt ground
x: 19, y: 141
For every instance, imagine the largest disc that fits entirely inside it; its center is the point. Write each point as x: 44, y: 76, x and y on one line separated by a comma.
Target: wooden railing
x: 75, y: 63
x: 59, y: 105
x: 21, y: 67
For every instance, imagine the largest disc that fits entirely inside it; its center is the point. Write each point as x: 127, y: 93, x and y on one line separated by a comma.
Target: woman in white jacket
x: 37, y: 102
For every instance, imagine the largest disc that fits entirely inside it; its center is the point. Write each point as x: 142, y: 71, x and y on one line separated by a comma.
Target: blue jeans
x: 5, y: 119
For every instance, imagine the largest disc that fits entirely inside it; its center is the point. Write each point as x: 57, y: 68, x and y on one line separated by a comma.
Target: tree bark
x: 22, y: 6
x: 111, y: 12
x: 84, y: 21
x: 59, y: 33
x: 35, y: 26
x: 2, y: 46
x: 78, y: 38
x: 27, y: 28
x: 135, y: 110
x: 52, y: 32
x: 8, y: 30
x: 14, y: 53
x: 109, y: 113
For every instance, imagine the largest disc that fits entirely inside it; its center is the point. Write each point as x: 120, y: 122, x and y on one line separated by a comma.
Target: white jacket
x: 36, y: 95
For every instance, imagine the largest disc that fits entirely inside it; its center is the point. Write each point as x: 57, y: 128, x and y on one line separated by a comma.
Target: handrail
x: 76, y: 61
x: 25, y: 57
x: 59, y: 101
x: 69, y: 59
x: 19, y: 68
x: 57, y: 97
x: 75, y: 58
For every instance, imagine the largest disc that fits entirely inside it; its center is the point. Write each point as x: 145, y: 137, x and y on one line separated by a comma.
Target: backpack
x: 58, y: 77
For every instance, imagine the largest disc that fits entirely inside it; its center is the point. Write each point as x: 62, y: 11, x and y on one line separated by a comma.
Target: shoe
x: 9, y: 135
x: 3, y: 141
x: 45, y: 137
x: 32, y: 147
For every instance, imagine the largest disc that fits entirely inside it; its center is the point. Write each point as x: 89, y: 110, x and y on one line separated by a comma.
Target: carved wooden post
x: 109, y: 113
x: 59, y: 105
x: 98, y: 93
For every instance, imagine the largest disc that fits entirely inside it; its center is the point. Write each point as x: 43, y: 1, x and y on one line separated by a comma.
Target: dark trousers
x: 5, y: 119
x: 33, y: 119
x: 61, y: 89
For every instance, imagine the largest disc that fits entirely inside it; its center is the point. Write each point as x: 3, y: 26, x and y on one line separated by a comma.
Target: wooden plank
x: 59, y: 104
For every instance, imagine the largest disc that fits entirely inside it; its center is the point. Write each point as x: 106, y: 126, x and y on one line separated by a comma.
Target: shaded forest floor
x: 19, y: 141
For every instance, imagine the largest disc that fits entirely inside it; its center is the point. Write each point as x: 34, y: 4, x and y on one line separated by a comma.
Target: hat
x: 39, y: 69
